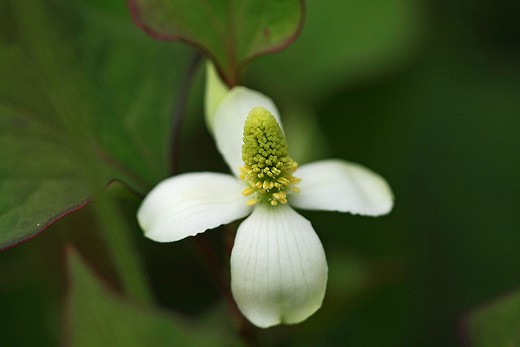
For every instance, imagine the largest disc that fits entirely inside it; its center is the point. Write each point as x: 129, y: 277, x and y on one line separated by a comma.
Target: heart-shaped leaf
x: 38, y: 183
x: 85, y: 98
x: 230, y: 32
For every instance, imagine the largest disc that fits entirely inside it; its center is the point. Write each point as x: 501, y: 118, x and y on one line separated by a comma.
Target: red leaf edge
x: 231, y: 80
x: 50, y: 222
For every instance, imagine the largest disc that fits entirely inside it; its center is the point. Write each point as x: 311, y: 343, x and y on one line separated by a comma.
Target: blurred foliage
x: 426, y: 94
x: 495, y: 324
x: 96, y: 317
x: 342, y: 42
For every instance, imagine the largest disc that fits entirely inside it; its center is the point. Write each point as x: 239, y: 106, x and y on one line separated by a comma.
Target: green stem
x: 117, y: 236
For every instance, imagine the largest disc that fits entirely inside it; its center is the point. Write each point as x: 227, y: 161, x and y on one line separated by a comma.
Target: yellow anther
x: 283, y: 181
x: 251, y: 202
x: 274, y: 202
x: 248, y: 191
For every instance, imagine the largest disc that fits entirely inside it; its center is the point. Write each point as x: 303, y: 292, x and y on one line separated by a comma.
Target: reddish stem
x: 218, y: 272
x: 200, y: 243
x: 180, y: 111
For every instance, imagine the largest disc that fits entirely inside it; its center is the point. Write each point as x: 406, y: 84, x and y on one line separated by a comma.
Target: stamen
x: 267, y: 166
x: 248, y: 191
x: 251, y: 202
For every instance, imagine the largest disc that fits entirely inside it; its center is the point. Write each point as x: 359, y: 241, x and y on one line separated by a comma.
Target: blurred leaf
x: 110, y: 6
x: 496, y: 324
x: 38, y: 183
x: 97, y: 317
x: 231, y: 32
x: 342, y: 42
x: 85, y: 98
x: 300, y: 125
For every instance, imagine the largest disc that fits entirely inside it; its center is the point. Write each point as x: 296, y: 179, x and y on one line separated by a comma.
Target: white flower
x: 278, y: 265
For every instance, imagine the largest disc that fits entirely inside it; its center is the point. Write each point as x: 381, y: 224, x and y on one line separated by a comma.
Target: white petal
x: 278, y: 267
x: 337, y: 185
x: 229, y: 120
x: 188, y: 204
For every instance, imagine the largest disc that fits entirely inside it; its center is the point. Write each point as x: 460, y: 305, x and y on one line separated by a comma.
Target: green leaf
x: 231, y: 32
x: 496, y: 324
x: 37, y: 186
x: 98, y: 317
x: 85, y: 99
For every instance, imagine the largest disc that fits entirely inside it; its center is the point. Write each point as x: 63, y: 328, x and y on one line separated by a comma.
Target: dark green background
x: 436, y: 113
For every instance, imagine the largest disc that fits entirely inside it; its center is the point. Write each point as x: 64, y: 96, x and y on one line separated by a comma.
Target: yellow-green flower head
x: 267, y: 166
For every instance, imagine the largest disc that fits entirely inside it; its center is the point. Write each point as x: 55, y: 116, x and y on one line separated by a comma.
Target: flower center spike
x: 267, y: 166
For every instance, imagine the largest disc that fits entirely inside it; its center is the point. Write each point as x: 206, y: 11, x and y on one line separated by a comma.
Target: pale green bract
x: 278, y: 265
